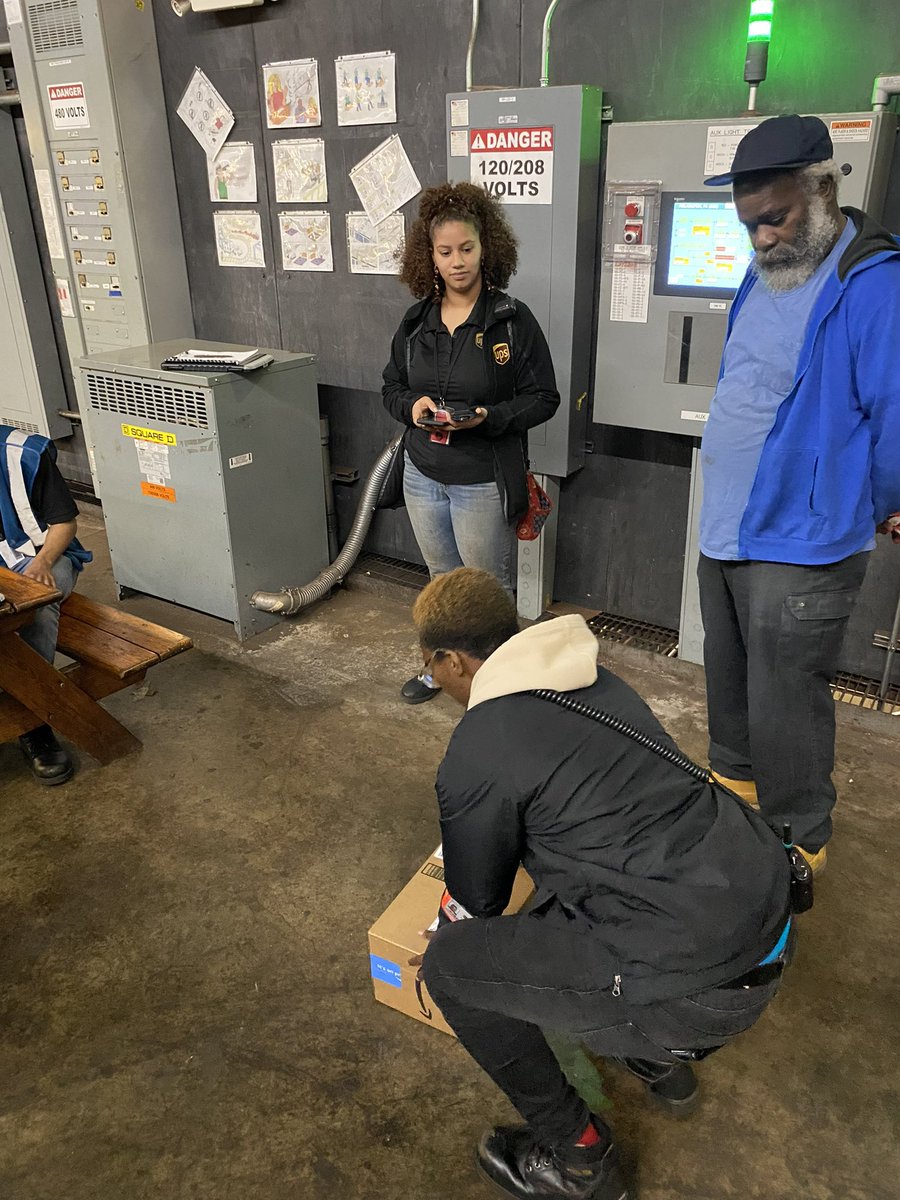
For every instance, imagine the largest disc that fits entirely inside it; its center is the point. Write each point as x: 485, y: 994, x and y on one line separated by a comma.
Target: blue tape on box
x: 385, y: 970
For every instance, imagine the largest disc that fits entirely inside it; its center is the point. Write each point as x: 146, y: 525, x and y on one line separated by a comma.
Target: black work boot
x: 515, y: 1160
x: 673, y: 1086
x: 50, y: 763
x: 419, y: 689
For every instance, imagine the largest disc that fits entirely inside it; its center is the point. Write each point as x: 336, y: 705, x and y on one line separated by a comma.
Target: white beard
x: 793, y: 265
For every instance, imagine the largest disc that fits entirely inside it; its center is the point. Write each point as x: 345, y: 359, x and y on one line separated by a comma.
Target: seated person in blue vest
x: 801, y: 467
x: 661, y: 917
x: 37, y: 539
x: 468, y: 347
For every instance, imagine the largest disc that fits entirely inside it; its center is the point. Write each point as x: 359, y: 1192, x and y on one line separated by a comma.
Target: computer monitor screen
x: 703, y: 248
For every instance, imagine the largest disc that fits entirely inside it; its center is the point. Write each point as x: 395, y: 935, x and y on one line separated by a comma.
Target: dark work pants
x: 500, y: 981
x: 773, y: 633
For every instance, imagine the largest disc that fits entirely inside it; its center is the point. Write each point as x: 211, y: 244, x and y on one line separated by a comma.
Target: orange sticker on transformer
x: 158, y: 491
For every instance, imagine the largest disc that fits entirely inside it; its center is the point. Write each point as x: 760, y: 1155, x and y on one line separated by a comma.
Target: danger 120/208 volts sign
x: 515, y: 165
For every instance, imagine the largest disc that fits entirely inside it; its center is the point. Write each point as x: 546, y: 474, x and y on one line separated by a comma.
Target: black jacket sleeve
x: 397, y: 397
x: 535, y: 396
x: 481, y: 830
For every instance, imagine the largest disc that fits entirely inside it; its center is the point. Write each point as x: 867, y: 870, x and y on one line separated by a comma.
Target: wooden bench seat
x: 111, y: 650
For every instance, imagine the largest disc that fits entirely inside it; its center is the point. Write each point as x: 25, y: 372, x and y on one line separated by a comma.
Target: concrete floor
x: 185, y: 1004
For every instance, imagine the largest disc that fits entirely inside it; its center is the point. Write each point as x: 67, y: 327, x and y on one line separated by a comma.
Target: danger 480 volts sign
x: 515, y: 165
x: 68, y: 106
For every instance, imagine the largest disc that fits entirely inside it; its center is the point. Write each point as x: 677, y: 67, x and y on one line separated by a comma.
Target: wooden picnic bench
x: 111, y: 650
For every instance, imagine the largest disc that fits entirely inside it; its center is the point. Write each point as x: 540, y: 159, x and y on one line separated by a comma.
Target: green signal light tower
x: 759, y: 34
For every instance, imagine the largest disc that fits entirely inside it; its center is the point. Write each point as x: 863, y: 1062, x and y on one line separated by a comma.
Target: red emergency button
x: 632, y: 210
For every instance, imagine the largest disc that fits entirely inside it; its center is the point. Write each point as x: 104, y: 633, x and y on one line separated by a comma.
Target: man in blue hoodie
x: 800, y: 466
x: 37, y: 539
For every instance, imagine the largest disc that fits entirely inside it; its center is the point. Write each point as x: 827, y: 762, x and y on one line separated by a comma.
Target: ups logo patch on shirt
x: 501, y: 354
x: 479, y: 340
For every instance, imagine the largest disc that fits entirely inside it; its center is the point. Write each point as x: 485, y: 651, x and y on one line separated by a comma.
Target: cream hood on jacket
x: 560, y: 654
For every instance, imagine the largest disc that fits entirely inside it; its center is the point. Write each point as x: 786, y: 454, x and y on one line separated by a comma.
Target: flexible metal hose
x: 290, y: 600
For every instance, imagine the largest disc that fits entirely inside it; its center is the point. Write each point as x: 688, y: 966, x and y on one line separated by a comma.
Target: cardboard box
x: 395, y: 938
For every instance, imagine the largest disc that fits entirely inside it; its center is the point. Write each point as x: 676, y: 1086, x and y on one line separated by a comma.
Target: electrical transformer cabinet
x: 211, y: 481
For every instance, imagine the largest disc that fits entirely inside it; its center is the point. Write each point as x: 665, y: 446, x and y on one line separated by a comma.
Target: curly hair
x: 466, y: 609
x: 458, y: 202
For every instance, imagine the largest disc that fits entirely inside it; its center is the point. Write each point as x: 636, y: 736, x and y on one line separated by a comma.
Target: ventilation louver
x: 147, y: 401
x: 55, y: 25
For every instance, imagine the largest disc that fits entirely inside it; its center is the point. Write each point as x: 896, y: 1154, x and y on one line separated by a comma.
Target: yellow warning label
x: 149, y: 435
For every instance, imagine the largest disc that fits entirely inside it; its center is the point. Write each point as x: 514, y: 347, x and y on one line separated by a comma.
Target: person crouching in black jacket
x: 660, y: 922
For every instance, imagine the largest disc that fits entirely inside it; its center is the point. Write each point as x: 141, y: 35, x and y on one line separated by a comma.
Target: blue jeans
x: 458, y: 525
x: 41, y: 633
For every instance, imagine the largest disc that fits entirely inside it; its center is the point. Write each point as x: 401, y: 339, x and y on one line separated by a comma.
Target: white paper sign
x: 153, y: 461
x: 459, y: 143
x: 68, y: 106
x: 299, y: 165
x: 721, y: 143
x: 48, y: 211
x: 459, y: 112
x: 64, y: 296
x: 630, y: 292
x: 515, y: 165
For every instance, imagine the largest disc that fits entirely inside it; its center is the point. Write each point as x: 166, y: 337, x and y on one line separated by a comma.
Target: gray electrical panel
x: 674, y: 253
x: 538, y: 149
x: 31, y: 384
x: 212, y: 482
x: 91, y: 91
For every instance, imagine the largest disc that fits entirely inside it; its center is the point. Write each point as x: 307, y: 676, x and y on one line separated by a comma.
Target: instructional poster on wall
x: 306, y: 241
x: 239, y: 239
x: 206, y: 114
x: 300, y: 171
x: 374, y: 249
x: 292, y: 94
x: 232, y: 174
x: 630, y: 292
x: 384, y: 180
x: 366, y: 89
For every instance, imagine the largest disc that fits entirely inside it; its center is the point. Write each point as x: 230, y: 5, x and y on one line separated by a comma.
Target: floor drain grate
x: 628, y: 632
x: 393, y: 570
x: 863, y: 692
x: 849, y: 689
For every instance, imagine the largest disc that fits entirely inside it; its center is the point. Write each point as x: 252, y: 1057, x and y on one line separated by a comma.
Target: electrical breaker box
x: 91, y: 91
x: 212, y: 482
x: 674, y: 253
x: 538, y: 150
x: 31, y: 384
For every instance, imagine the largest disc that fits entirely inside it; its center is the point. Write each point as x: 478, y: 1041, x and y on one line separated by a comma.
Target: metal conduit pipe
x: 471, y: 50
x: 290, y: 600
x: 545, y: 44
x: 8, y: 99
x: 885, y: 86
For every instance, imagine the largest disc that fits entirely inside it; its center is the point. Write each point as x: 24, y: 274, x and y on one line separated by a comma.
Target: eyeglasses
x: 427, y: 668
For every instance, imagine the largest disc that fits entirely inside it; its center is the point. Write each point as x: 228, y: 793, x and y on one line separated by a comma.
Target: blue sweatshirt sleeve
x: 874, y: 315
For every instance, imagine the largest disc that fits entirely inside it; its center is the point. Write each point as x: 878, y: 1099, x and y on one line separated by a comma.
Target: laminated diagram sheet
x: 299, y: 165
x: 292, y: 94
x: 232, y: 174
x: 366, y: 89
x: 206, y: 114
x: 384, y: 180
x: 306, y: 241
x: 239, y: 239
x: 374, y: 249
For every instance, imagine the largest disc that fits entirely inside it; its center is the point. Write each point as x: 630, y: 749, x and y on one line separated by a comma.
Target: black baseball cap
x: 779, y: 144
